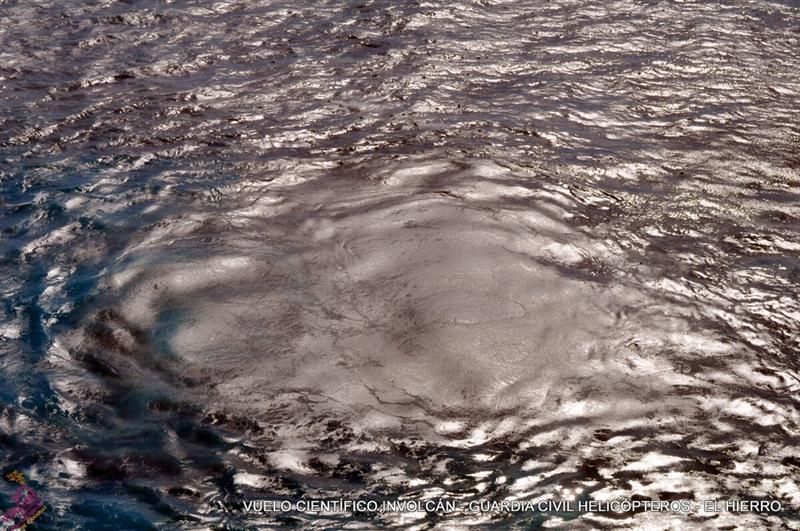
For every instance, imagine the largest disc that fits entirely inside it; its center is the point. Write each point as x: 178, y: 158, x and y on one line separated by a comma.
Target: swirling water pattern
x: 542, y: 249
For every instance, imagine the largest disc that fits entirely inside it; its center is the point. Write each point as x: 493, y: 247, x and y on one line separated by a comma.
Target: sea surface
x: 399, y: 250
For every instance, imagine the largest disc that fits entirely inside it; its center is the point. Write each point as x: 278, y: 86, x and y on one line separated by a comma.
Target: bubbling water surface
x: 469, y: 250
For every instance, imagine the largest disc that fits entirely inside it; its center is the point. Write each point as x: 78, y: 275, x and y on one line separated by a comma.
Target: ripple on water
x: 482, y: 249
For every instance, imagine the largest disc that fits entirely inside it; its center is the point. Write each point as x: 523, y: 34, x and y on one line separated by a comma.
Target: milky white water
x: 534, y: 250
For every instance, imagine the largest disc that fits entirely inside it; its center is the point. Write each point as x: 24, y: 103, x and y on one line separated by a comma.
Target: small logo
x: 16, y: 477
x: 27, y: 505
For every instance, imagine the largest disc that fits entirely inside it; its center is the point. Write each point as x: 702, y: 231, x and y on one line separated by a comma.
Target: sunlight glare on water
x: 471, y: 250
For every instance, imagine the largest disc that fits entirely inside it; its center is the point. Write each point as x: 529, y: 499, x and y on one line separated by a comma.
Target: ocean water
x: 470, y: 250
